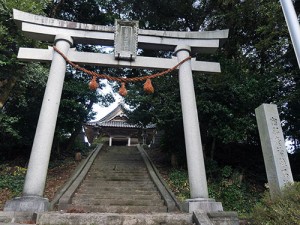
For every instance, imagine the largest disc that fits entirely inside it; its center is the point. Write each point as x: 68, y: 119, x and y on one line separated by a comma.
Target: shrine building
x: 115, y: 129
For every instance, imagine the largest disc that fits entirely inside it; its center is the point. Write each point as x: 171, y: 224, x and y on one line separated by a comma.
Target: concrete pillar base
x: 27, y: 204
x: 204, y: 204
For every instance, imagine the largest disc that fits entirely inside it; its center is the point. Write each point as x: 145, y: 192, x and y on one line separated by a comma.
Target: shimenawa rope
x: 148, y: 88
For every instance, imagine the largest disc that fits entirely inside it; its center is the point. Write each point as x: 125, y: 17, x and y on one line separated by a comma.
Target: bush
x: 235, y: 194
x: 284, y: 209
x: 224, y: 185
x: 12, y: 178
x: 178, y: 181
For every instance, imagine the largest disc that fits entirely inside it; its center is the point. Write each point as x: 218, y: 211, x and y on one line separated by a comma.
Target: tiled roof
x: 112, y: 120
x: 116, y: 124
x: 119, y: 110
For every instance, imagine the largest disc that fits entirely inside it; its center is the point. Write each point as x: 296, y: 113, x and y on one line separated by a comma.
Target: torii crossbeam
x: 64, y: 34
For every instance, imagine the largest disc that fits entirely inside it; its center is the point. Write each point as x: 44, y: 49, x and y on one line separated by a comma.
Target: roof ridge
x: 113, y: 113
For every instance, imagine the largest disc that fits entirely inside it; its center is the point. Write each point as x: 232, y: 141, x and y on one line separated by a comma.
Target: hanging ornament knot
x: 93, y: 85
x: 122, y: 90
x: 148, y: 88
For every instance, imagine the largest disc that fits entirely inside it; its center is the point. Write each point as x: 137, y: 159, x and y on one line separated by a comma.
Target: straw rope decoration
x: 93, y: 85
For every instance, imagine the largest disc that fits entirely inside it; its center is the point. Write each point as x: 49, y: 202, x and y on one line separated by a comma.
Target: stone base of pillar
x: 27, y: 204
x: 204, y: 204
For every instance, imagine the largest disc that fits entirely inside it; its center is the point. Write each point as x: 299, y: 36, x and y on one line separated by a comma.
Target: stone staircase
x: 117, y: 186
x: 117, y: 182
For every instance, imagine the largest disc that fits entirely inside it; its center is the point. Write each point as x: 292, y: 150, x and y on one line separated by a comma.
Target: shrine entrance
x: 115, y: 129
x: 126, y: 38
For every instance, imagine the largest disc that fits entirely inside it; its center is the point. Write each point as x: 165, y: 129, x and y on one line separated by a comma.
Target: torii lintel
x: 45, y: 29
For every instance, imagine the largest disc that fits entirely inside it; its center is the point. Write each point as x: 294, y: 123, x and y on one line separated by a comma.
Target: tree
x: 11, y: 39
x: 77, y: 100
x: 26, y: 83
x: 16, y: 78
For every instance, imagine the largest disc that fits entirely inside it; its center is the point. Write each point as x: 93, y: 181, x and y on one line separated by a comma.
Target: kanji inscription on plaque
x: 126, y: 39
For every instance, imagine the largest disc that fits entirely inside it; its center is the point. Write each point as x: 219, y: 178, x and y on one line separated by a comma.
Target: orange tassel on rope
x: 122, y: 90
x: 148, y: 88
x: 93, y: 85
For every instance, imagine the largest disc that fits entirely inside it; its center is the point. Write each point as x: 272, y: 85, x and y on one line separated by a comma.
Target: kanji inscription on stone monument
x: 273, y: 146
x: 280, y: 149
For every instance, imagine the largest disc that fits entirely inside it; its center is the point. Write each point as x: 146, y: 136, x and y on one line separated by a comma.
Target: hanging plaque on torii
x: 126, y: 37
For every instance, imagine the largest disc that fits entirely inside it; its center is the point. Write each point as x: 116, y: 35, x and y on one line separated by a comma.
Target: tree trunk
x: 213, y: 148
x: 174, y: 160
x: 56, y: 8
x: 77, y: 131
x: 6, y: 87
x: 73, y: 137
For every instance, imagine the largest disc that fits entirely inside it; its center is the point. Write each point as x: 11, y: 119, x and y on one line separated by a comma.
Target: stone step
x: 113, y: 173
x: 125, y: 191
x: 112, y: 160
x: 117, y: 208
x: 109, y: 184
x: 21, y: 223
x: 153, y: 196
x: 119, y: 167
x: 10, y: 217
x: 120, y: 155
x: 115, y: 190
x: 125, y: 149
x: 128, y: 179
x: 102, y: 180
x: 121, y: 202
x: 115, y: 156
x: 117, y: 182
x: 117, y: 186
x: 119, y: 178
x: 91, y: 181
x: 106, y: 162
x: 118, y: 171
x: 114, y: 219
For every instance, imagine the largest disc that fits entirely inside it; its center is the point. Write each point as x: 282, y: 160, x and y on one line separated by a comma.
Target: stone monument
x: 273, y: 146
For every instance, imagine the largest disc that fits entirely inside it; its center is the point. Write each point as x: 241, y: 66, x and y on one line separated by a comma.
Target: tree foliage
x: 17, y: 79
x: 23, y: 84
x: 11, y: 39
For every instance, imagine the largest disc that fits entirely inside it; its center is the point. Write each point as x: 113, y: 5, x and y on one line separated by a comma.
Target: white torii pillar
x: 293, y: 25
x: 194, y: 153
x: 32, y: 199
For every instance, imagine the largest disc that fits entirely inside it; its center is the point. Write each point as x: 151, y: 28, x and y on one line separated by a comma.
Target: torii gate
x: 127, y: 38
